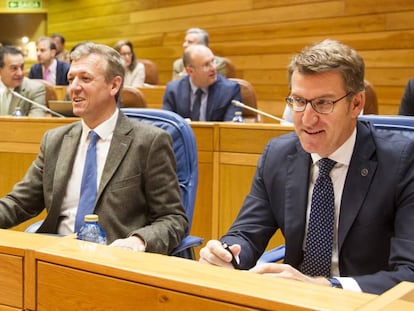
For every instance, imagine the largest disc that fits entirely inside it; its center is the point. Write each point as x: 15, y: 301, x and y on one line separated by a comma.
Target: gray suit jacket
x: 138, y: 192
x: 376, y: 221
x: 33, y: 90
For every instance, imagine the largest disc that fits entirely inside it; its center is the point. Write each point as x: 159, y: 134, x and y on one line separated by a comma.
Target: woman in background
x: 135, y: 70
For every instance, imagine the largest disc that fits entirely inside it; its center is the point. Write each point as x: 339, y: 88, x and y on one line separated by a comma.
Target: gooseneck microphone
x: 36, y: 104
x: 241, y: 105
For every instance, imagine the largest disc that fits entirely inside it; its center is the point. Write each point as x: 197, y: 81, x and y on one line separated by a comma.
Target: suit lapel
x: 296, y: 195
x: 120, y: 144
x: 63, y: 170
x: 360, y: 174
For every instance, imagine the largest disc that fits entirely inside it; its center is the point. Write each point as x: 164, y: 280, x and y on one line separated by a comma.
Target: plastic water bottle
x: 91, y: 231
x: 18, y: 112
x: 238, y: 117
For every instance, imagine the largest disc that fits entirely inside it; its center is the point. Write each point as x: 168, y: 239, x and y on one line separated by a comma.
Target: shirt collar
x: 343, y: 154
x: 104, y: 130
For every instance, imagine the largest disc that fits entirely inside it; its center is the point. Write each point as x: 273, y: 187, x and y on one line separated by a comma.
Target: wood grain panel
x: 259, y: 36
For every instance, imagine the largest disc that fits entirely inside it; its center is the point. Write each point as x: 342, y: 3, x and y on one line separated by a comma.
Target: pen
x: 233, y: 259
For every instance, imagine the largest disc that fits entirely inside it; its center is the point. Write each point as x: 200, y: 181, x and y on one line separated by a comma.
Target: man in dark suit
x: 12, y: 79
x: 217, y: 91
x: 49, y: 68
x: 407, y: 100
x: 371, y: 246
x: 137, y: 195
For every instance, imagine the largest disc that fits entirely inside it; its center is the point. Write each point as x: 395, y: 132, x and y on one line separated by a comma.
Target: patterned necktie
x: 88, y: 185
x: 195, y: 113
x: 318, y: 249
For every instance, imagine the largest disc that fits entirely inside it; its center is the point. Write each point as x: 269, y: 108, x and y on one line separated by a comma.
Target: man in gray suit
x: 12, y: 79
x: 137, y: 199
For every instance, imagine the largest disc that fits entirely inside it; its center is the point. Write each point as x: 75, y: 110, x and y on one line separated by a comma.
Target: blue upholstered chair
x: 185, y: 150
x: 397, y: 124
x: 187, y: 166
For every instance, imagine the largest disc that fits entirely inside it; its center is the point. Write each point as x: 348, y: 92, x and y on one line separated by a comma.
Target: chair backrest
x: 371, y: 100
x: 132, y: 97
x: 398, y: 124
x: 230, y: 69
x: 151, y: 71
x: 248, y: 95
x: 50, y: 91
x: 185, y: 150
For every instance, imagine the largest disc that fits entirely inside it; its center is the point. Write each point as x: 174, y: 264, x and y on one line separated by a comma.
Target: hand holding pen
x: 234, y: 262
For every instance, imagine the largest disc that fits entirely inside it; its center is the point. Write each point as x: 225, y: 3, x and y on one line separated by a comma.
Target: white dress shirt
x: 71, y: 200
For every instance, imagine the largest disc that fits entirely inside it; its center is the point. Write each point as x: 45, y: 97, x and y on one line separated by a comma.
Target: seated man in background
x: 341, y: 193
x: 61, y: 53
x: 196, y: 36
x: 407, y: 100
x: 12, y: 79
x: 49, y: 68
x: 134, y: 188
x: 202, y: 95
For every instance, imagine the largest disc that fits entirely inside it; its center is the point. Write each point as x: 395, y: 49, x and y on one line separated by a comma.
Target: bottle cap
x: 91, y: 218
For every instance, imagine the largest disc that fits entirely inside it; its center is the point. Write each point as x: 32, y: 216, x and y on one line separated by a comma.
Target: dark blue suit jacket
x: 407, y: 100
x: 376, y: 222
x: 177, y: 98
x: 62, y: 69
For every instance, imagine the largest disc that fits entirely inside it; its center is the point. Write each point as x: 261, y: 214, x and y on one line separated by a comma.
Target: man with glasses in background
x: 341, y: 193
x: 202, y: 95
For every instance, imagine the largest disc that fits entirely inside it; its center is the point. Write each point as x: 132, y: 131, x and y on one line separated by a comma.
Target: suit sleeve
x: 231, y: 109
x: 37, y: 93
x: 167, y: 221
x: 168, y: 100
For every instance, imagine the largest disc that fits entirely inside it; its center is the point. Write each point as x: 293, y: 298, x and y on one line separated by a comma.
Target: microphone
x: 36, y: 104
x: 241, y: 105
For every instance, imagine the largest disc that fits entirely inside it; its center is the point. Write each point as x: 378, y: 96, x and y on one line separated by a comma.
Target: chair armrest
x: 185, y: 248
x: 273, y: 255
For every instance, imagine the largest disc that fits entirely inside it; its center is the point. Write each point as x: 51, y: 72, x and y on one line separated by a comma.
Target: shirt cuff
x: 349, y: 284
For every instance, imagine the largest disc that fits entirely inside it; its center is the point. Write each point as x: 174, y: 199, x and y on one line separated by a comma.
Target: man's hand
x: 287, y: 272
x: 215, y: 254
x: 133, y: 243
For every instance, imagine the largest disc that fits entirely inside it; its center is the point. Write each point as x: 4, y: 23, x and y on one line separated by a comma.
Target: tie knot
x: 93, y: 137
x: 199, y: 92
x: 325, y: 166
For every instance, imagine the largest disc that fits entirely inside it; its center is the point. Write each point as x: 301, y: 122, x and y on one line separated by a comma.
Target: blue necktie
x: 319, y: 240
x: 195, y: 113
x: 88, y: 185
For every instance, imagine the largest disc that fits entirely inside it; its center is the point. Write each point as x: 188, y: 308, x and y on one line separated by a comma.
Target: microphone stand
x: 36, y: 104
x: 241, y: 105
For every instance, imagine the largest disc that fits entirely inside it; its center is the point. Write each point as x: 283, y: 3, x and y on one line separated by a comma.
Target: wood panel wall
x: 259, y: 36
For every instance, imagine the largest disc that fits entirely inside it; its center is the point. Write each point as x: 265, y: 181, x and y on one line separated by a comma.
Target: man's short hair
x: 52, y: 44
x: 202, y: 34
x: 331, y: 55
x: 8, y: 49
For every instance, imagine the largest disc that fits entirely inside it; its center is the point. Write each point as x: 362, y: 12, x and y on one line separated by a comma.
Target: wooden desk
x: 41, y: 272
x: 17, y: 268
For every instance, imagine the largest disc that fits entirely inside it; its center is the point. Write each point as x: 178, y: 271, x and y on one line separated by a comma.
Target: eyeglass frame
x: 290, y: 101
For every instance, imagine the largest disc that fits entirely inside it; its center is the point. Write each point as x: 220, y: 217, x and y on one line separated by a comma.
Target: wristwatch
x: 335, y: 283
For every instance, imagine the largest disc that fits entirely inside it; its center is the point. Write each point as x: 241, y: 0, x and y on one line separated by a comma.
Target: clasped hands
x: 214, y: 254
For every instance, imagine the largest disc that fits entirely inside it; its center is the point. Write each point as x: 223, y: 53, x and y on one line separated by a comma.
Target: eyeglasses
x: 207, y: 66
x: 320, y: 105
x: 126, y: 54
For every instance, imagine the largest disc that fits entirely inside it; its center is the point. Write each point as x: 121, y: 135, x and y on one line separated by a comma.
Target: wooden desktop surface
x: 41, y: 272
